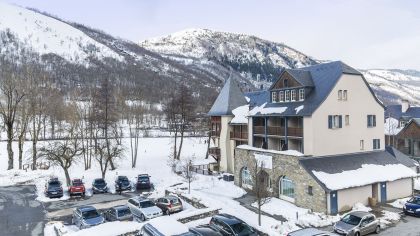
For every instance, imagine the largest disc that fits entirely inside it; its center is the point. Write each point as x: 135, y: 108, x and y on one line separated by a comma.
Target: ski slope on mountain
x: 46, y: 35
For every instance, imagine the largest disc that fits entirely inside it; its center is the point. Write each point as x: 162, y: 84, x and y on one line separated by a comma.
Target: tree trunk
x: 208, y: 144
x: 9, y: 146
x: 176, y: 137
x: 34, y: 153
x: 180, y: 145
x: 20, y: 145
x: 66, y: 172
x: 259, y: 212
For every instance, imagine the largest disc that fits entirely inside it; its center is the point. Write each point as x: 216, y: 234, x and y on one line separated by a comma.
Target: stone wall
x: 283, y: 165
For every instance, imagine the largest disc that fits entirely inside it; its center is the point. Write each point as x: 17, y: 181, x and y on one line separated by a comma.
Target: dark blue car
x: 53, y: 188
x: 412, y: 207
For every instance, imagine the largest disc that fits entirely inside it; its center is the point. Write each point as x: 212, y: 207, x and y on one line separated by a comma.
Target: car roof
x: 205, y: 230
x: 360, y: 214
x: 308, y: 231
x: 229, y: 219
x: 171, y: 197
x: 140, y: 199
x: 145, y: 175
x: 98, y: 179
x: 77, y: 180
x: 86, y: 208
x: 120, y: 207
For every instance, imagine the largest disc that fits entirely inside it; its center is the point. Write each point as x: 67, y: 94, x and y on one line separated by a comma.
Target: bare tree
x: 12, y: 96
x: 107, y: 151
x: 22, y: 129
x: 187, y: 172
x: 135, y: 128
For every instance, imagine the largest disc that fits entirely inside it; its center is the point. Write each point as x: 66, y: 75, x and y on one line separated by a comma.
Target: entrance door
x: 375, y: 191
x: 334, y: 202
x: 383, y: 192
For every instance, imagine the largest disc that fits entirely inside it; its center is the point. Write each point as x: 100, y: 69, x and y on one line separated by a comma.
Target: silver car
x: 357, y: 223
x: 118, y: 213
x: 144, y: 208
x: 86, y: 216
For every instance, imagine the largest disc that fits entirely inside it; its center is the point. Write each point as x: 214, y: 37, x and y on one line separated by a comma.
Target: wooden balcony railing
x: 259, y: 130
x: 238, y: 135
x: 279, y: 131
x: 275, y: 130
x: 297, y: 132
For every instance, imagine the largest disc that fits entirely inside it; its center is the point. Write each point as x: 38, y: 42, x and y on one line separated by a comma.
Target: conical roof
x: 230, y: 97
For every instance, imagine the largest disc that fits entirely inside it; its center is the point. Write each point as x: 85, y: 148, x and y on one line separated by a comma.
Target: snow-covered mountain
x: 260, y: 60
x: 255, y: 59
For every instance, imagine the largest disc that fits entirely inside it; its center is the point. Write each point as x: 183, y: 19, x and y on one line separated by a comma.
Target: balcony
x: 242, y: 136
x: 259, y: 130
x: 275, y: 130
x: 279, y: 131
x: 215, y: 153
x: 296, y: 132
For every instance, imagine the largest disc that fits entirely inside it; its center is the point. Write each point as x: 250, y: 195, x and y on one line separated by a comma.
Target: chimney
x: 404, y: 105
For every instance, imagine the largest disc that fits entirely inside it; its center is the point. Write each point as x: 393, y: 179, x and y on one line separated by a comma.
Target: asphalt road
x: 408, y: 226
x: 20, y: 213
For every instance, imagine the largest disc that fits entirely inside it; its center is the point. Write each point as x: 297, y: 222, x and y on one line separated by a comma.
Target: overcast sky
x: 362, y: 33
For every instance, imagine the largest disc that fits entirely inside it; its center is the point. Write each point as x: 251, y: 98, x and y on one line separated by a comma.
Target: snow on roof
x: 267, y: 110
x: 297, y: 109
x: 288, y: 152
x: 367, y: 174
x: 391, y: 126
x: 168, y: 226
x: 240, y: 115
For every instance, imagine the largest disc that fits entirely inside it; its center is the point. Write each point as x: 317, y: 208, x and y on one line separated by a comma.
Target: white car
x: 144, y: 208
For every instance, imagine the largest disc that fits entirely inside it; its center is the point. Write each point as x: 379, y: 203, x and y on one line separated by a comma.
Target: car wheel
x: 378, y: 228
x: 357, y: 234
x: 142, y: 218
x: 72, y: 221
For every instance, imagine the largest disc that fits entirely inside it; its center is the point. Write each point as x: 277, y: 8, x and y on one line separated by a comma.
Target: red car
x: 77, y: 188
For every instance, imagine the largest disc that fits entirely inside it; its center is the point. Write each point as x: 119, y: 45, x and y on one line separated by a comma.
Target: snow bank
x: 288, y: 152
x: 365, y: 175
x: 360, y: 207
x: 240, y: 115
x: 399, y: 203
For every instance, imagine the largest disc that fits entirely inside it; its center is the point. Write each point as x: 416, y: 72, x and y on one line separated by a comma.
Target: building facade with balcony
x: 308, y: 118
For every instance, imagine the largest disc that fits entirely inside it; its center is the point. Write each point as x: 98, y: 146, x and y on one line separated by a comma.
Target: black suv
x: 122, y: 184
x: 53, y: 188
x: 230, y: 225
x: 99, y: 186
x: 143, y: 182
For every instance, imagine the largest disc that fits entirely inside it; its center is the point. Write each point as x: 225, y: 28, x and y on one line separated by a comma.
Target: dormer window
x: 287, y: 96
x: 301, y: 94
x: 281, y: 96
x: 273, y: 97
x: 293, y: 94
x: 285, y: 83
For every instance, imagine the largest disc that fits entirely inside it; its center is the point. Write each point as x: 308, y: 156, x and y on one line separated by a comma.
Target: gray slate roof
x: 302, y: 76
x: 395, y: 111
x: 230, y: 97
x: 401, y: 157
x: 324, y: 77
x: 345, y: 162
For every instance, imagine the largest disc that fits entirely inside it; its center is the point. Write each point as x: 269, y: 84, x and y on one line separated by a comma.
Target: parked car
x: 357, y: 223
x: 231, y: 225
x: 310, y: 232
x: 77, y: 188
x: 164, y: 226
x: 118, y: 213
x: 53, y: 188
x: 122, y: 184
x: 143, y: 182
x: 412, y: 207
x: 169, y: 204
x: 86, y: 216
x: 205, y: 230
x: 99, y: 186
x: 144, y: 208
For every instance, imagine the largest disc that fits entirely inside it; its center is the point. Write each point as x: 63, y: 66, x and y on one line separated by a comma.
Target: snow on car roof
x: 168, y: 226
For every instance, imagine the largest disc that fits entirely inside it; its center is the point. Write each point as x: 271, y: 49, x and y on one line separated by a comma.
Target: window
x: 287, y: 96
x: 301, y: 94
x: 362, y: 145
x: 310, y: 191
x: 347, y: 120
x: 371, y: 121
x: 376, y: 143
x: 246, y: 178
x: 285, y: 83
x: 293, y: 92
x: 335, y: 122
x: 345, y: 95
x: 402, y: 123
x: 287, y: 188
x: 273, y: 96
x: 281, y: 95
x: 340, y: 94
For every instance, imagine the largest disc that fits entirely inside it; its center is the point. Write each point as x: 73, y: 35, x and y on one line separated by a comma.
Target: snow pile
x: 240, y: 115
x: 391, y: 126
x: 299, y: 108
x: 388, y: 218
x: 267, y: 110
x: 399, y: 203
x: 297, y: 215
x: 46, y: 35
x: 287, y: 152
x: 360, y: 207
x: 365, y: 175
x: 168, y: 226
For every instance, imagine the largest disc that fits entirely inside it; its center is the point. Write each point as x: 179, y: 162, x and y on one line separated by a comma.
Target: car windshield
x: 351, y: 219
x: 174, y: 201
x: 90, y: 214
x: 100, y: 181
x: 414, y: 200
x: 124, y: 212
x: 54, y: 184
x: 123, y: 179
x: 146, y: 204
x: 241, y: 229
x: 143, y: 178
x: 77, y: 183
